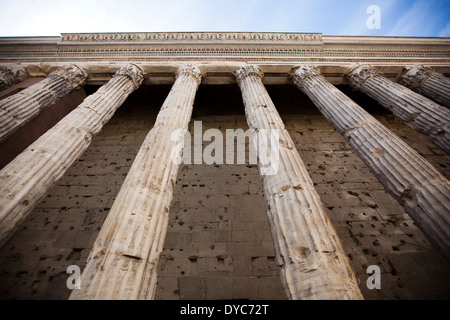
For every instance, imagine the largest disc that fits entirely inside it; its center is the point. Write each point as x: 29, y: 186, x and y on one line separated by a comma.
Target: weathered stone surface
x: 310, y: 255
x: 426, y: 81
x: 123, y: 261
x: 57, y: 229
x: 18, y: 109
x: 413, y: 181
x: 10, y: 75
x: 415, y: 110
x: 26, y: 179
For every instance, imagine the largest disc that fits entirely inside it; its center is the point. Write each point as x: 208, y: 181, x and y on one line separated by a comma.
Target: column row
x: 122, y: 264
x: 420, y: 113
x: 123, y: 261
x: 27, y: 179
x: 428, y: 82
x: 21, y: 107
x: 406, y: 175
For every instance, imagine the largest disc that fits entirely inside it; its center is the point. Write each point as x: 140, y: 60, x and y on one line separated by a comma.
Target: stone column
x: 10, y: 75
x: 26, y: 179
x: 311, y: 258
x: 415, y: 110
x: 427, y: 82
x: 20, y: 108
x: 414, y: 182
x: 123, y: 260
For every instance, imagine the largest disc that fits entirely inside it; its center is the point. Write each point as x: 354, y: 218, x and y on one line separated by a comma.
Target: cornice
x: 223, y: 46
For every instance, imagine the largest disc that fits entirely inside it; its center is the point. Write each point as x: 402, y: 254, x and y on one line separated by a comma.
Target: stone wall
x: 218, y: 244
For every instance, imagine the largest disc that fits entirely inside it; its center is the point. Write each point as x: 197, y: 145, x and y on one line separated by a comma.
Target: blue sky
x: 427, y: 18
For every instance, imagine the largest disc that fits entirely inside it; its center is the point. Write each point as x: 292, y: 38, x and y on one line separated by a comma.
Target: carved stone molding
x: 250, y: 47
x: 192, y: 37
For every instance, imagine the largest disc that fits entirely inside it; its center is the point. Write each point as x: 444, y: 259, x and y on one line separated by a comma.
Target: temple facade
x: 224, y: 166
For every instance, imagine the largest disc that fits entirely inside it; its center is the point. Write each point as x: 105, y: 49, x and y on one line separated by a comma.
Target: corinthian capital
x: 133, y: 72
x: 246, y: 71
x: 359, y: 75
x: 72, y: 74
x: 10, y: 75
x: 414, y: 77
x: 191, y: 70
x: 301, y: 73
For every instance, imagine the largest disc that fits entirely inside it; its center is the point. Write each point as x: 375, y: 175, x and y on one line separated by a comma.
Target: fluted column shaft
x: 312, y: 261
x: 26, y: 179
x: 123, y: 261
x: 10, y: 75
x: 415, y: 110
x: 21, y: 107
x: 426, y: 81
x: 413, y: 181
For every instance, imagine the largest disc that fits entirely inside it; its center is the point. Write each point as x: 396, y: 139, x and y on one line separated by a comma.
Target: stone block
x: 245, y: 288
x: 178, y: 240
x: 270, y: 289
x: 219, y: 288
x: 191, y: 288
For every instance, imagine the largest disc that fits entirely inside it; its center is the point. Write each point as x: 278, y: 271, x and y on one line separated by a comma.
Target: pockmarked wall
x: 219, y: 243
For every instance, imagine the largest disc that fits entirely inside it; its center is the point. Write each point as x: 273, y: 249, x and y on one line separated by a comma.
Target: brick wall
x: 218, y: 244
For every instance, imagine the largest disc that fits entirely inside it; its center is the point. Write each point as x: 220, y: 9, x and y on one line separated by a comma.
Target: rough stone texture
x: 219, y: 244
x: 412, y: 180
x: 312, y: 262
x: 20, y: 108
x: 62, y: 229
x: 426, y: 81
x: 122, y: 264
x: 26, y: 179
x: 10, y: 75
x: 373, y: 227
x: 419, y: 112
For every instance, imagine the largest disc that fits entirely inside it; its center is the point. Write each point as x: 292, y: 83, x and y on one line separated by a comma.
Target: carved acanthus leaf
x: 415, y: 76
x: 133, y: 72
x: 246, y: 71
x: 301, y: 73
x: 191, y: 70
x: 72, y: 74
x: 359, y: 75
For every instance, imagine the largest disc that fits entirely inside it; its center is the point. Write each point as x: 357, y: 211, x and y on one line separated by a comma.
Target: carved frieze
x: 192, y: 37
